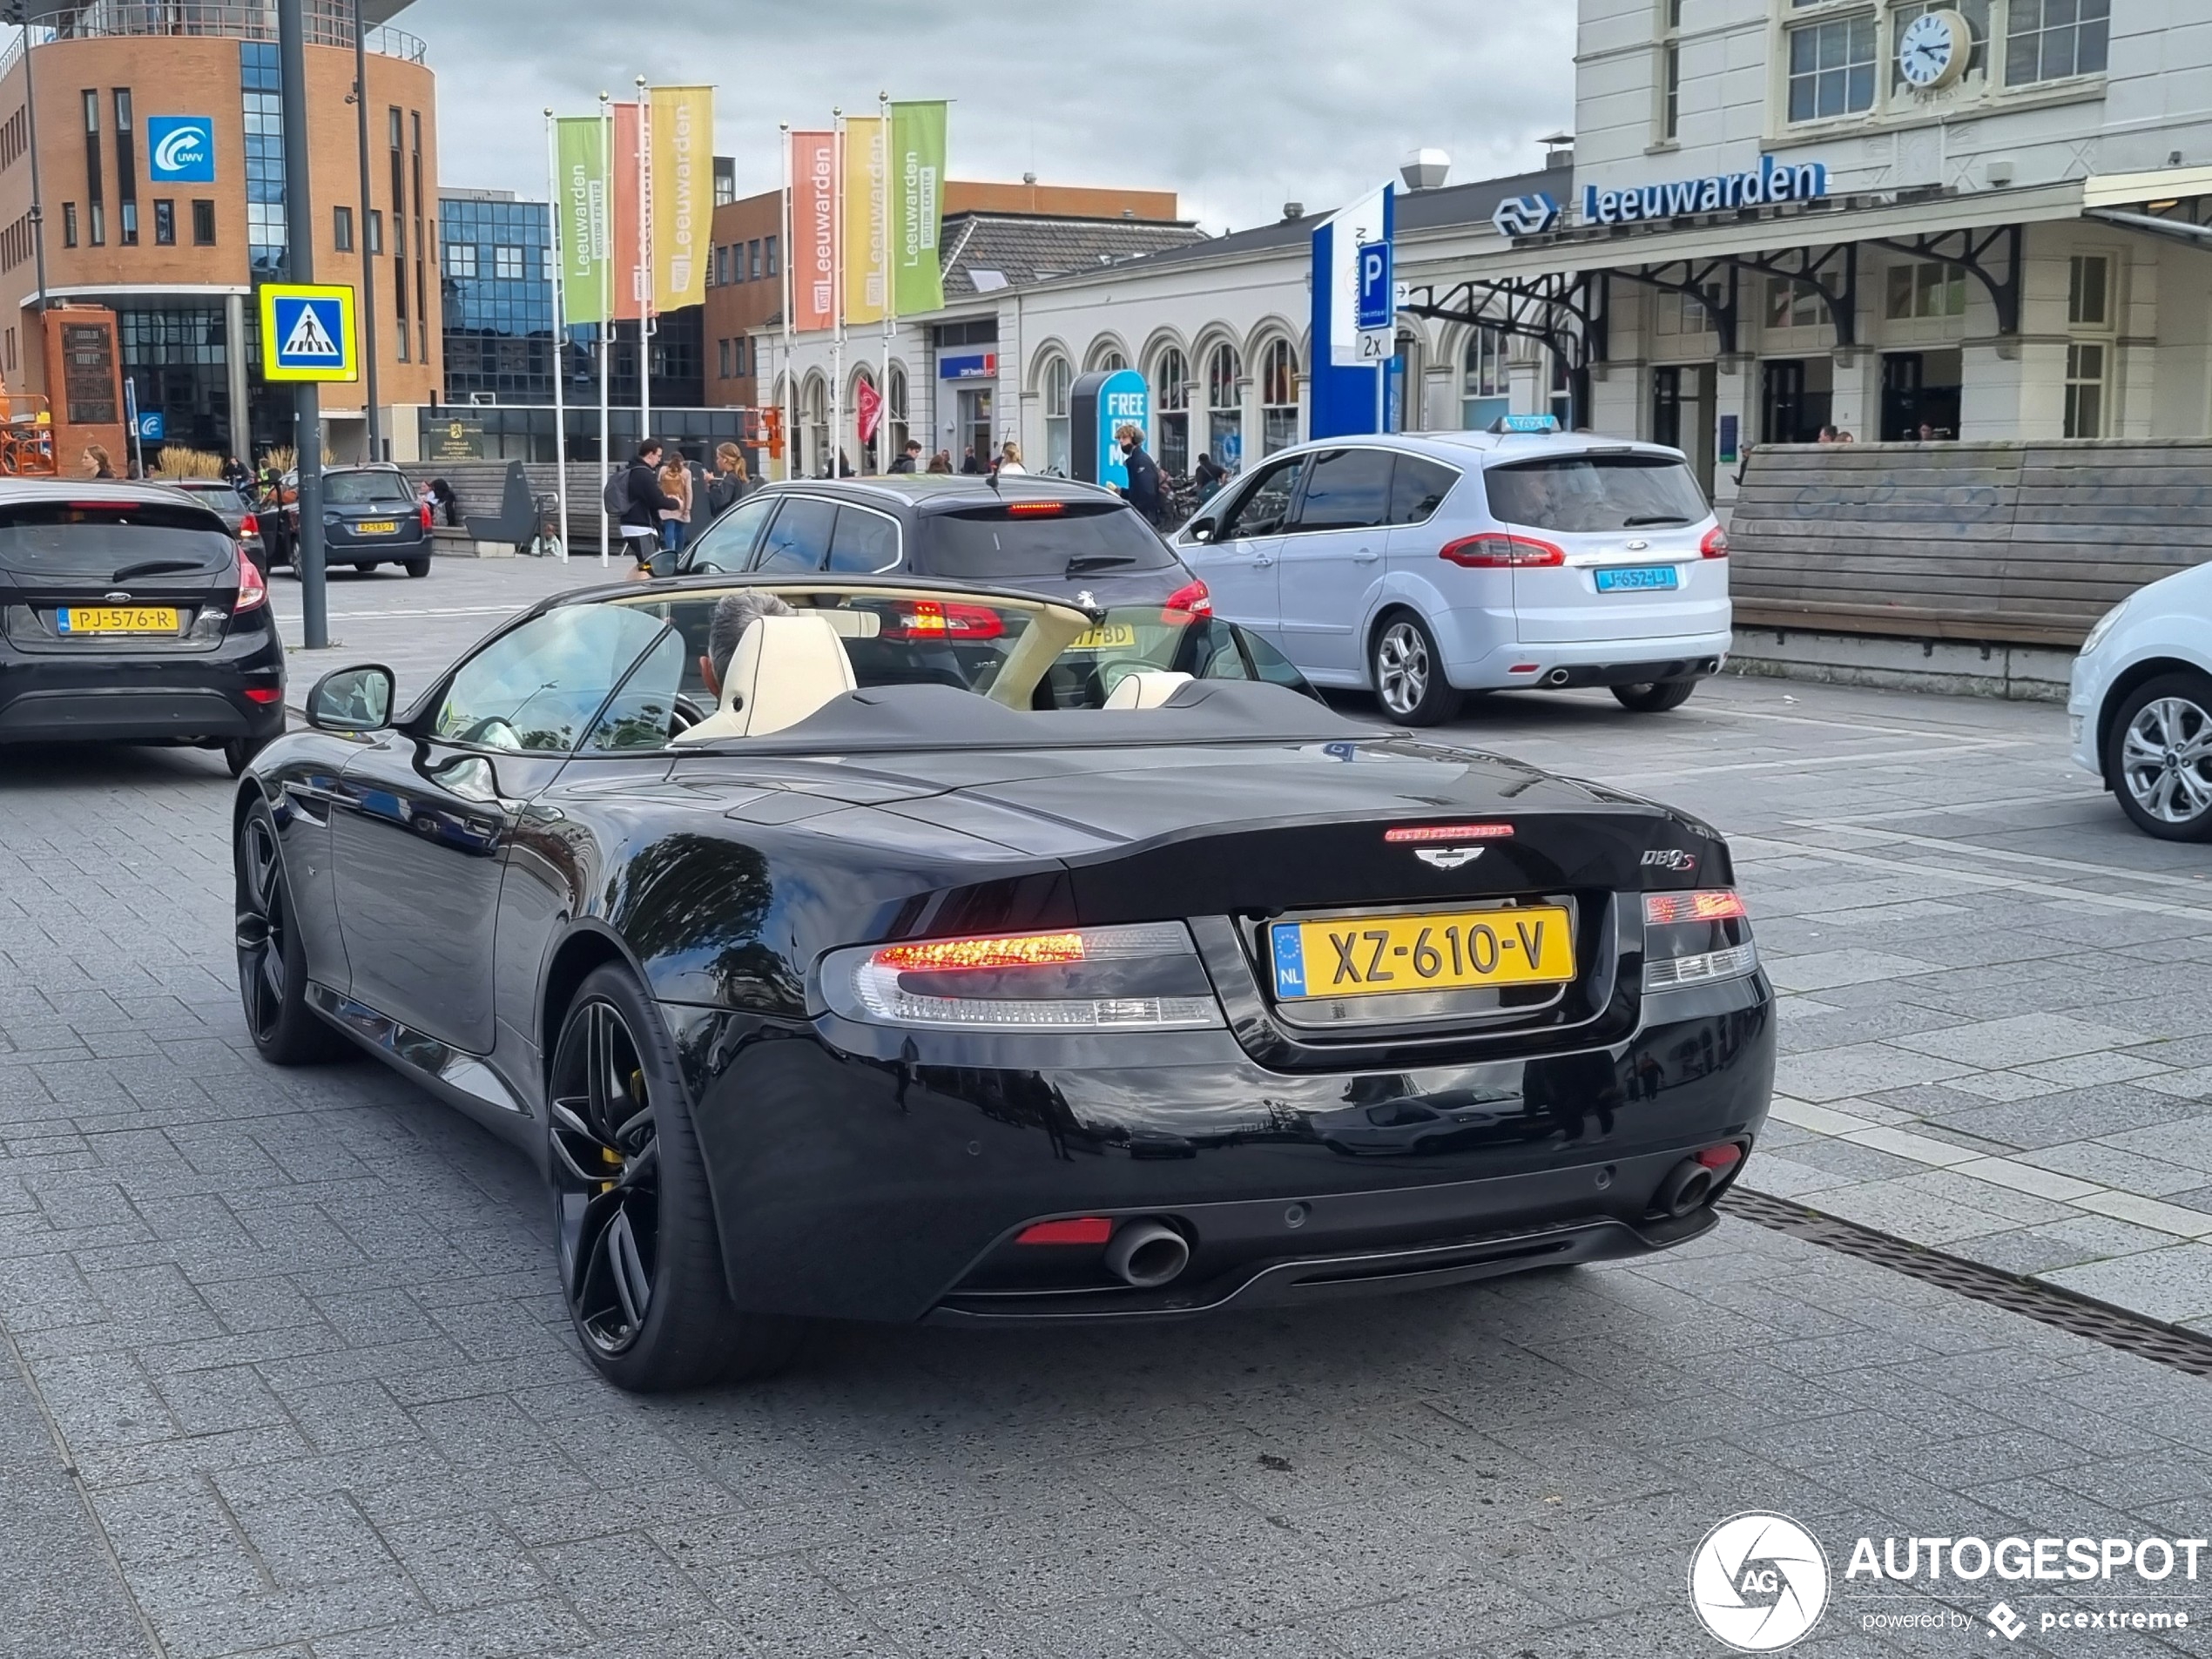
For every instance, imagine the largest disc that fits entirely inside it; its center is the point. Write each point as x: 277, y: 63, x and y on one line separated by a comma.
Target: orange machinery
x: 26, y: 435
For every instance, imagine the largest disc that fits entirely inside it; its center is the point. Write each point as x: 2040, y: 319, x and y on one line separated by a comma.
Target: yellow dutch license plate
x: 1447, y: 951
x: 117, y: 619
x: 377, y: 527
x: 1114, y: 635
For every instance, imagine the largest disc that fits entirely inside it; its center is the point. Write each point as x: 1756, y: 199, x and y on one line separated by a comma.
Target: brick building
x: 159, y: 160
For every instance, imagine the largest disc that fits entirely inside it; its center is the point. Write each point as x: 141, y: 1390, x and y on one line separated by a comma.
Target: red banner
x: 813, y: 264
x: 867, y: 403
x: 629, y: 280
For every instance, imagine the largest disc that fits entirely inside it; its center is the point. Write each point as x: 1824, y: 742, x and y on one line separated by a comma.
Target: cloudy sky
x: 1240, y: 105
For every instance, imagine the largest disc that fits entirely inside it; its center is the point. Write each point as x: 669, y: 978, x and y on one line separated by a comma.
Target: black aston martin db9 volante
x: 875, y: 949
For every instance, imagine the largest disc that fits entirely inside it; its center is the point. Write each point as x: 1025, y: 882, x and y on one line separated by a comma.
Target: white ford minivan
x: 1420, y: 565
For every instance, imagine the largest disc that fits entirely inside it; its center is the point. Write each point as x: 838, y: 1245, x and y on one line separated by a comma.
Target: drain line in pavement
x: 2165, y: 1344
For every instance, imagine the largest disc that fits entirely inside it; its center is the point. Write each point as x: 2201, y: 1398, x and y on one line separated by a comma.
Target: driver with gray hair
x: 734, y: 614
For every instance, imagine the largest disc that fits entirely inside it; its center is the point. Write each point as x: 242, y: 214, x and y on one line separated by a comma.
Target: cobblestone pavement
x: 283, y: 1370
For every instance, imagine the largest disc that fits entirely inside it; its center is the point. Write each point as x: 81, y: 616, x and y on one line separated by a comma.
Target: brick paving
x: 283, y: 1370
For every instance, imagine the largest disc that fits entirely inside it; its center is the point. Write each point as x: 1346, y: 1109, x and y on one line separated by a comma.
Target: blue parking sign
x: 1376, y: 310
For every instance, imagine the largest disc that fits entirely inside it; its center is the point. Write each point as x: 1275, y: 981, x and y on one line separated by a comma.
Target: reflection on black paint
x: 693, y: 895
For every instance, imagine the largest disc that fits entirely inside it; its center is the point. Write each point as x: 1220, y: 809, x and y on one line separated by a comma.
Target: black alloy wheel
x: 1655, y: 696
x: 271, y: 962
x: 640, y: 1258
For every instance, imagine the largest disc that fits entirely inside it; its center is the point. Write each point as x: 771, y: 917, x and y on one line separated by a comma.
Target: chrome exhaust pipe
x: 1557, y: 677
x: 1146, y: 1254
x: 1688, y: 1186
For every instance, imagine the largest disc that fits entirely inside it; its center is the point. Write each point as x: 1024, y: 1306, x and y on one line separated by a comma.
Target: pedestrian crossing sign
x: 308, y: 333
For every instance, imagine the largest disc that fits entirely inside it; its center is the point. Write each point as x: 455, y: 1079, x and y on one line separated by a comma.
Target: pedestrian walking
x: 1010, y: 458
x: 96, y: 463
x: 941, y: 461
x: 635, y: 498
x: 1209, y: 476
x: 909, y: 460
x: 238, y: 475
x: 676, y: 484
x: 1142, y: 491
x: 969, y: 466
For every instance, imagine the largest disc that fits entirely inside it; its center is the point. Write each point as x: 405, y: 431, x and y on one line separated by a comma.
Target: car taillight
x: 1192, y: 599
x: 1144, y: 977
x: 249, y: 525
x: 253, y: 591
x: 1715, y: 546
x: 429, y: 524
x: 1496, y: 551
x: 1036, y: 509
x: 1696, y: 938
x: 925, y: 619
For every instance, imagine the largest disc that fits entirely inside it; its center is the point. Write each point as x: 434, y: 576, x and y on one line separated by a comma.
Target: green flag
x: 580, y: 217
x: 917, y: 188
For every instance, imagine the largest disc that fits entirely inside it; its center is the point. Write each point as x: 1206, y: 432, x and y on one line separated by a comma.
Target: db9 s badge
x: 1448, y: 858
x: 1671, y: 858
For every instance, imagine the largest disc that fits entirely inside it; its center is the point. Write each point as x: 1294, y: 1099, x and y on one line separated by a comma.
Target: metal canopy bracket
x: 1695, y: 281
x: 1970, y: 250
x: 1564, y: 311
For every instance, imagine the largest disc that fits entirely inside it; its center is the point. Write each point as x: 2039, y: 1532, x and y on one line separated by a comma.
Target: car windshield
x: 1595, y: 492
x: 213, y: 491
x: 112, y: 540
x: 967, y: 641
x: 367, y: 489
x: 1039, y: 538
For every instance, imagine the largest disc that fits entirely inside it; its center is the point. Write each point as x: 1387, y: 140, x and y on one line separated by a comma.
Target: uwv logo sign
x: 181, y: 149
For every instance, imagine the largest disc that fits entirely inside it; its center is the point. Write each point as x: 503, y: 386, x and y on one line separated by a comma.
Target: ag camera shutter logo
x: 181, y: 149
x: 1759, y: 1582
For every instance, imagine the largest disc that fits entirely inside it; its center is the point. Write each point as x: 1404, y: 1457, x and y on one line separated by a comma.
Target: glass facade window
x: 1486, y: 386
x: 261, y: 84
x: 126, y: 169
x: 68, y: 223
x: 499, y: 301
x: 768, y: 244
x: 1792, y: 304
x: 2048, y: 40
x: 2087, y: 290
x: 175, y: 359
x: 1832, y: 68
x: 165, y: 222
x: 753, y: 269
x: 1225, y: 406
x: 2085, y: 390
x: 1278, y: 397
x: 375, y: 230
x: 1927, y: 288
x: 341, y: 229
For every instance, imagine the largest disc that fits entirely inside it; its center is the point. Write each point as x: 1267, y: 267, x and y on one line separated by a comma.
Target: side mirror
x: 352, y: 700
x: 1201, y: 531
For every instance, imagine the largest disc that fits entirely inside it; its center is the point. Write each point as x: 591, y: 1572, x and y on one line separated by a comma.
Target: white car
x: 1421, y: 565
x: 2140, y: 706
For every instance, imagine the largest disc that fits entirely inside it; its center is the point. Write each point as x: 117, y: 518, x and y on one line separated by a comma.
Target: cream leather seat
x: 1146, y: 689
x: 785, y: 668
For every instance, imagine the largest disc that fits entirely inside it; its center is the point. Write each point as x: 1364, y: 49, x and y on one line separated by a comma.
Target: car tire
x: 2158, y: 757
x: 271, y: 959
x: 639, y: 1253
x: 1406, y: 672
x: 418, y: 568
x: 1655, y: 696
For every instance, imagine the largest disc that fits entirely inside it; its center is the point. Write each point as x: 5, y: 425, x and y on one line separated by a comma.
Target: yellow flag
x: 867, y: 229
x: 683, y: 164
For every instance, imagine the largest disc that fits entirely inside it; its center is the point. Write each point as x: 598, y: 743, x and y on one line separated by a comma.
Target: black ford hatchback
x: 1045, y: 535
x: 128, y: 613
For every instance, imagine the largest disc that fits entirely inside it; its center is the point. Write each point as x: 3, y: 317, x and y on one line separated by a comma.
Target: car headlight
x: 2104, y: 626
x: 1143, y: 978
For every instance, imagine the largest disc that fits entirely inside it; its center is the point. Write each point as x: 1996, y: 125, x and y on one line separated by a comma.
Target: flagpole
x: 645, y: 266
x: 560, y: 201
x: 890, y: 284
x: 837, y: 301
x: 788, y: 398
x: 604, y: 242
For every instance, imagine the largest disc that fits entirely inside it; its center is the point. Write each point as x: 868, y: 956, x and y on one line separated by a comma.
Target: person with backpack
x: 635, y: 499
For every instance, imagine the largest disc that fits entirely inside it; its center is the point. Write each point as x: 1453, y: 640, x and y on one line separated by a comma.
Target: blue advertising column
x: 1098, y: 404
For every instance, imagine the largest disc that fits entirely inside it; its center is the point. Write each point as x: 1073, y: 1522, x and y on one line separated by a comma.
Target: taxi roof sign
x: 1525, y: 424
x: 307, y: 331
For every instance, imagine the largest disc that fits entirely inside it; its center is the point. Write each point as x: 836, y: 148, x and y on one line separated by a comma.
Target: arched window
x: 818, y: 433
x: 1278, y: 397
x: 1485, y: 388
x: 1172, y: 397
x: 894, y: 413
x: 1405, y: 373
x: 1059, y: 376
x: 1108, y: 358
x: 1225, y: 406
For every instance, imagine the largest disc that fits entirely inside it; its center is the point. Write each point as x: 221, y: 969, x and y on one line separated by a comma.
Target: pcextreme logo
x: 1759, y: 1582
